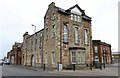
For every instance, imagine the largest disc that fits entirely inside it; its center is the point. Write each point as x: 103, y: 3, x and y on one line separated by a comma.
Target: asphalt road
x: 9, y: 70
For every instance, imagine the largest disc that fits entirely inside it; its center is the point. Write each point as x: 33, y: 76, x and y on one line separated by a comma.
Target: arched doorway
x: 32, y: 60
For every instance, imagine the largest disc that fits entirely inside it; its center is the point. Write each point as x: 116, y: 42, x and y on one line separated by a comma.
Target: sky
x: 16, y: 17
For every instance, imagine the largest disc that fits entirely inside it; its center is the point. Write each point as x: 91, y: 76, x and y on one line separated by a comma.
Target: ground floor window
x: 53, y: 59
x: 40, y: 58
x: 102, y: 60
x: 83, y: 57
x: 96, y: 59
x: 73, y: 57
x: 46, y: 58
x: 78, y: 57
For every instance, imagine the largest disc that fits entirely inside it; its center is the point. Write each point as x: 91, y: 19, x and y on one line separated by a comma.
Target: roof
x: 68, y: 12
x: 98, y: 42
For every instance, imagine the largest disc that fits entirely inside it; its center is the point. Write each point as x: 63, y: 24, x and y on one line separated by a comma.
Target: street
x: 10, y: 70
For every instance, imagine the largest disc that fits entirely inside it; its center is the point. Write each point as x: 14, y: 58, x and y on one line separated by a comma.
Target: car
x: 1, y: 62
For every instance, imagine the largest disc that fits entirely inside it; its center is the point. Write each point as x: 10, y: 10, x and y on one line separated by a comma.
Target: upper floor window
x: 47, y: 34
x: 53, y: 17
x: 101, y: 50
x: 75, y: 17
x: 96, y: 49
x: 78, y: 18
x: 53, y: 30
x: 65, y: 34
x: 76, y: 35
x: 47, y: 20
x: 41, y: 40
x: 71, y: 16
x: 86, y: 36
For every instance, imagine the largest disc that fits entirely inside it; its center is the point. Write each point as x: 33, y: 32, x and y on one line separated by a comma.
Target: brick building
x: 102, y: 52
x: 15, y: 55
x: 66, y: 39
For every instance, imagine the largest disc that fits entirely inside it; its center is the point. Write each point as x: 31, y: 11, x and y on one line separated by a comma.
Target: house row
x: 65, y: 39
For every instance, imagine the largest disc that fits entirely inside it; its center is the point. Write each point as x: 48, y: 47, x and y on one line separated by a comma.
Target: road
x: 9, y: 70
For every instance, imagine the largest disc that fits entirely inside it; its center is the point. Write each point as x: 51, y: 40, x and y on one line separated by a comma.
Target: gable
x: 76, y: 11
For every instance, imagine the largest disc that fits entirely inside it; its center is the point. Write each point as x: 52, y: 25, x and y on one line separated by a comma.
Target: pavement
x: 14, y: 70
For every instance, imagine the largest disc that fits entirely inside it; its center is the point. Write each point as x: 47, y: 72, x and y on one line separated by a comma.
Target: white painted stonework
x: 76, y: 11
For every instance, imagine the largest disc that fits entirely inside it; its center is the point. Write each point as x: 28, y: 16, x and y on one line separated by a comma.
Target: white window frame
x: 72, y: 17
x: 86, y: 36
x: 79, y: 58
x: 73, y: 57
x: 95, y: 47
x: 76, y: 36
x: 79, y: 20
x: 83, y: 57
x: 75, y: 17
x: 65, y: 33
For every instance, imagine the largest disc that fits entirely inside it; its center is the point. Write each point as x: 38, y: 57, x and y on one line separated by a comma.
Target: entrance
x: 33, y: 60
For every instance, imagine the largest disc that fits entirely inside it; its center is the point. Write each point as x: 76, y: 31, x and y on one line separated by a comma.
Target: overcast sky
x: 16, y: 17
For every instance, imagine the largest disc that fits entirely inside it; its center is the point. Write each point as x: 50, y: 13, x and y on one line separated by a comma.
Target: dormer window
x: 71, y: 16
x: 78, y: 18
x: 75, y: 17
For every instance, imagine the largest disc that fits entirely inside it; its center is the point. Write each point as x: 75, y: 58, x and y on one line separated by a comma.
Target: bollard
x: 104, y: 65
x: 44, y: 67
x: 74, y: 67
x: 58, y: 66
x: 91, y: 67
x: 100, y: 66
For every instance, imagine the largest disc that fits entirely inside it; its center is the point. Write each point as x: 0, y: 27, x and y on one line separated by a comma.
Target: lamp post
x: 34, y: 41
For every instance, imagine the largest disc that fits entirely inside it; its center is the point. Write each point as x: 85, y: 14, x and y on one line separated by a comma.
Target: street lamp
x: 34, y: 41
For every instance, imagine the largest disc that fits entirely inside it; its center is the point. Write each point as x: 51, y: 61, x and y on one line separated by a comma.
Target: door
x: 33, y: 60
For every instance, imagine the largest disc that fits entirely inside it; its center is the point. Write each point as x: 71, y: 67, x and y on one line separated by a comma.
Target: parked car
x: 1, y: 62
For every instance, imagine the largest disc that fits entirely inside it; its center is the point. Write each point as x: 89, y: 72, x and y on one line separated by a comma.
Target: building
x: 116, y: 57
x: 15, y: 55
x: 66, y: 39
x: 102, y: 52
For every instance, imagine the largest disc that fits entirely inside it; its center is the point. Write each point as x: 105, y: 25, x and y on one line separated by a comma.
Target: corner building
x: 66, y: 38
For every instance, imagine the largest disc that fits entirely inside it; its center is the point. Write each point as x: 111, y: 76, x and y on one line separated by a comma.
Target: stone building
x: 66, y: 39
x: 102, y: 52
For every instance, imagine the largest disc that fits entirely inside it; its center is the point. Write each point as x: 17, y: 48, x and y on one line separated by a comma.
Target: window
x: 40, y: 58
x: 102, y: 59
x: 78, y: 57
x: 75, y: 17
x: 47, y: 20
x: 35, y: 41
x: 83, y: 57
x: 36, y: 58
x: 109, y: 59
x: 96, y: 59
x: 96, y: 49
x: 101, y: 50
x: 53, y: 30
x: 76, y: 35
x: 71, y: 16
x: 106, y: 50
x: 53, y: 18
x: 53, y: 59
x: 86, y: 36
x: 46, y: 58
x: 47, y: 34
x: 31, y: 43
x: 41, y: 40
x: 73, y: 57
x: 78, y: 18
x: 65, y: 33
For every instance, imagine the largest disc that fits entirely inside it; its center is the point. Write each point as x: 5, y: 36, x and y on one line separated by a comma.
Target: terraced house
x: 66, y: 39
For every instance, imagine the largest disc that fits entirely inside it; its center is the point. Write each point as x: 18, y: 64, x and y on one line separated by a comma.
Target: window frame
x: 76, y: 36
